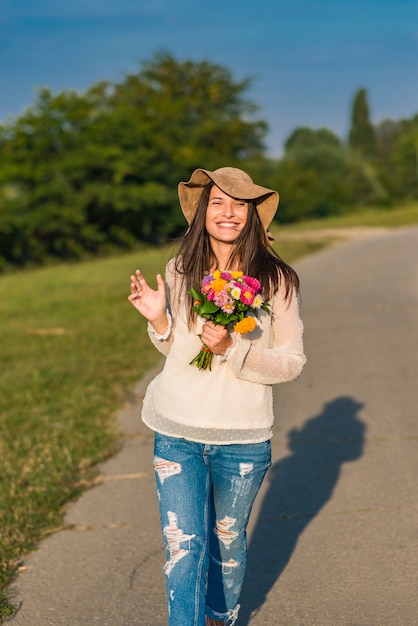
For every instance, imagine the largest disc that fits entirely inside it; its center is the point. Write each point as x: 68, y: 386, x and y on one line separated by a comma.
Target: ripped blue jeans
x: 206, y: 493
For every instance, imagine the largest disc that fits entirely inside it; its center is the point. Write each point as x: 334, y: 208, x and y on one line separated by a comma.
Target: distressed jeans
x: 206, y: 493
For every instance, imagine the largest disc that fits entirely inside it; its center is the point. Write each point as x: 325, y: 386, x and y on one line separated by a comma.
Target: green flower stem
x: 203, y: 360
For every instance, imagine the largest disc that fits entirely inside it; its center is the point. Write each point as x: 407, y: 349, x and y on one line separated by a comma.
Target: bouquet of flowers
x: 227, y: 298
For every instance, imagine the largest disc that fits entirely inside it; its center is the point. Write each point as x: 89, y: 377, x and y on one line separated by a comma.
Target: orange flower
x: 218, y: 284
x: 246, y: 325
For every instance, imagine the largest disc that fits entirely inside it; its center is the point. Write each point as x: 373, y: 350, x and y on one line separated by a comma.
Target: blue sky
x: 307, y: 57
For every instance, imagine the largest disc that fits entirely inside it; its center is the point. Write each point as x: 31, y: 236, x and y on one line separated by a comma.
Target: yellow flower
x: 237, y: 274
x: 216, y: 274
x: 245, y: 326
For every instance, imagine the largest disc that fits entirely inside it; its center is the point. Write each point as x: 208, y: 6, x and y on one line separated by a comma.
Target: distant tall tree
x: 361, y: 135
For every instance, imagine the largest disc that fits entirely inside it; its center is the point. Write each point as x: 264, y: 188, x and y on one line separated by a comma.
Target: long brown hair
x: 252, y: 253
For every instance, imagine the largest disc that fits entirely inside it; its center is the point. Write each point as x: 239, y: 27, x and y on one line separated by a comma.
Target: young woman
x: 213, y: 427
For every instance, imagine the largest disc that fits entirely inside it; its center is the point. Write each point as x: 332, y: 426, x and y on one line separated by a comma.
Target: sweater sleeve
x: 283, y: 359
x: 163, y: 342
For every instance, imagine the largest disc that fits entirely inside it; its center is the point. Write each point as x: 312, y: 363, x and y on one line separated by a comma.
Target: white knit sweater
x: 232, y: 403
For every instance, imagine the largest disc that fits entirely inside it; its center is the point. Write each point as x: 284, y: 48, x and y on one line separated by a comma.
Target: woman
x: 213, y: 428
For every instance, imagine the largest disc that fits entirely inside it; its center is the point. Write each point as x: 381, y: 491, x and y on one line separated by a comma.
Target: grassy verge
x: 391, y: 217
x: 71, y: 348
x: 71, y: 345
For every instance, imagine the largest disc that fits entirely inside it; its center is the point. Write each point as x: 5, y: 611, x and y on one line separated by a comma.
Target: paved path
x: 334, y: 536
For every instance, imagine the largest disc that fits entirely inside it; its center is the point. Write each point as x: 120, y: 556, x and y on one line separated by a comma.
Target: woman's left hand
x: 216, y: 338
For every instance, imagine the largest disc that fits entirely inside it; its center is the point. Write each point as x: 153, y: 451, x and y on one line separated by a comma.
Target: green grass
x: 390, y: 217
x: 71, y: 348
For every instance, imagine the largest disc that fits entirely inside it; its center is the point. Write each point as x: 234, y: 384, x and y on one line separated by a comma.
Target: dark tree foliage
x: 319, y: 176
x: 361, y: 135
x: 304, y: 138
x: 83, y: 172
x: 398, y: 157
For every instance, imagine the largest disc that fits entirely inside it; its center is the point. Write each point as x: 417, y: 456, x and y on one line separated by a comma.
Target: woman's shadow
x: 298, y: 487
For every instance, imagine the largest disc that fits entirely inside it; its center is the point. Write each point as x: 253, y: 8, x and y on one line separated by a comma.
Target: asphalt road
x: 334, y: 533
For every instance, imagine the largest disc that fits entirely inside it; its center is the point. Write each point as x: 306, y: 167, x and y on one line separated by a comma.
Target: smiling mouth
x: 227, y: 224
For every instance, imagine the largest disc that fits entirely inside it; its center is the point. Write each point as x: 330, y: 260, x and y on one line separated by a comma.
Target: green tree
x: 403, y: 161
x: 387, y: 133
x: 81, y: 172
x: 320, y: 176
x: 40, y: 207
x: 361, y: 134
x: 304, y: 138
x: 397, y: 157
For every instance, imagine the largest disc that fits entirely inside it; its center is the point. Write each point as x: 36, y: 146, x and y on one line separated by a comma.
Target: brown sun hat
x: 235, y: 183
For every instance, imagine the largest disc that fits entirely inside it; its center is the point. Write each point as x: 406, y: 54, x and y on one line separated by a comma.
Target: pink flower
x: 206, y: 282
x: 247, y: 296
x: 229, y: 306
x: 253, y: 283
x: 223, y: 300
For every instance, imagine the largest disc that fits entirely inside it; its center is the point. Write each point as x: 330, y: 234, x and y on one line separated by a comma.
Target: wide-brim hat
x: 235, y: 183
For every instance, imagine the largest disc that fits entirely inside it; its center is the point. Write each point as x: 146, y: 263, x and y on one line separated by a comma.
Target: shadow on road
x: 299, y: 486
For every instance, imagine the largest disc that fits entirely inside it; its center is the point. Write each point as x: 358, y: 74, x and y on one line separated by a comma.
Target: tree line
x: 82, y: 173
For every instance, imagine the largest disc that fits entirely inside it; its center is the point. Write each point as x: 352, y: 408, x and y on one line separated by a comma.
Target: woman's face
x: 225, y: 216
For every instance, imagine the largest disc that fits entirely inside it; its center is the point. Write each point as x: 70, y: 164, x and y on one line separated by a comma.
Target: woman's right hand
x: 149, y: 302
